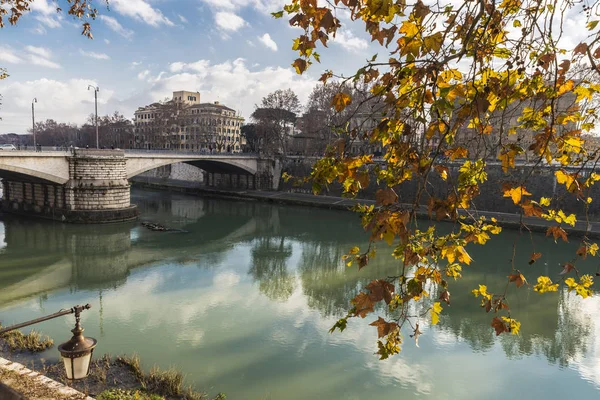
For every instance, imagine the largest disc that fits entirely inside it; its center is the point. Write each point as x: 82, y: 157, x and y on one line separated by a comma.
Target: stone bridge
x: 91, y: 185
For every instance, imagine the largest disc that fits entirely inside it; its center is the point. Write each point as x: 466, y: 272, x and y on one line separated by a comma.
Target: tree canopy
x: 465, y: 86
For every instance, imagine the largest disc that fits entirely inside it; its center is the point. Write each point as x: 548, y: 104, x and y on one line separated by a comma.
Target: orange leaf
x: 499, y: 326
x: 386, y: 197
x: 381, y: 290
x: 341, y: 101
x: 557, y: 232
x: 534, y: 257
x: 518, y: 279
x: 363, y: 304
x: 384, y: 327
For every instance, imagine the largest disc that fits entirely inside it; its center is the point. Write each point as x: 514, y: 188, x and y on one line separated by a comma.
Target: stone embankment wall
x: 542, y: 182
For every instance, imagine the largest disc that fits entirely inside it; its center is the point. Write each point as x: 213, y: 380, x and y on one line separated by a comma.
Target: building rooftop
x: 215, y: 104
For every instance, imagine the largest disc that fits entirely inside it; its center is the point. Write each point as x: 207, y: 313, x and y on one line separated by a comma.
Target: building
x: 184, y: 123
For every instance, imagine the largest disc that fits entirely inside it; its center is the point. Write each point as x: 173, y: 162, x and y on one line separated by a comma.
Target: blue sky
x: 232, y: 51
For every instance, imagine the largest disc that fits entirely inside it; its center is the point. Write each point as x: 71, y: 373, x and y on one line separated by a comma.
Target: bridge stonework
x: 92, y: 186
x: 97, y: 191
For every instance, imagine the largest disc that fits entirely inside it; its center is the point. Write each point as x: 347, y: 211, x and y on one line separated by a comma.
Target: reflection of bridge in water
x: 42, y: 256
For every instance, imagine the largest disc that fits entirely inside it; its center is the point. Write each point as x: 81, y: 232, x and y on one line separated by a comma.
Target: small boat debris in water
x: 161, y: 228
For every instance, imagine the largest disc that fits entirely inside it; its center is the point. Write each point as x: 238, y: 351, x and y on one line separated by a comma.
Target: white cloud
x: 39, y: 51
x: 93, y: 54
x: 42, y: 62
x: 144, y: 74
x: 49, y: 21
x: 106, y: 41
x: 268, y: 42
x: 39, y: 30
x: 229, y: 21
x: 65, y: 101
x: 233, y: 83
x: 142, y: 11
x: 250, y: 43
x: 7, y: 55
x: 135, y: 64
x: 199, y: 66
x: 43, y: 7
x: 265, y: 6
x: 347, y: 40
x: 114, y: 25
x: 182, y: 18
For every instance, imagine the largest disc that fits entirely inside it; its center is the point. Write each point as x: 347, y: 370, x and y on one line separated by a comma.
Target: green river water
x: 243, y: 301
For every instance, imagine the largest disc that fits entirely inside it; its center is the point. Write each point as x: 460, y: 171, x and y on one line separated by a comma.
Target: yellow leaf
x: 435, y: 313
x: 544, y: 201
x: 516, y: 193
x: 409, y: 28
x: 544, y: 284
x: 341, y: 101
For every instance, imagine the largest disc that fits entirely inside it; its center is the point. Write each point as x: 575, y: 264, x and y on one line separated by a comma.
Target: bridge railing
x: 188, y: 152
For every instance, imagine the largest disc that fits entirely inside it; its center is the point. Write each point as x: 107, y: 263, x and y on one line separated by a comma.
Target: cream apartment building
x: 184, y: 123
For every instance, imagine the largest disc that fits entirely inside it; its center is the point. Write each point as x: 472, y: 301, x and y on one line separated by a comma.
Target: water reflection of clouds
x: 2, y: 237
x: 588, y: 363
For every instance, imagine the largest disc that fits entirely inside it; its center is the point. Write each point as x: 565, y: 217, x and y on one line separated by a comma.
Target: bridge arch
x: 138, y: 165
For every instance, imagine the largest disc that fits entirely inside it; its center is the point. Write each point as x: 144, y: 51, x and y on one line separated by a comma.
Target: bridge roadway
x: 91, y: 185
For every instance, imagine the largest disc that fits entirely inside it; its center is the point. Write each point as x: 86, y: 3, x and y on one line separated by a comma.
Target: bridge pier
x: 97, y: 191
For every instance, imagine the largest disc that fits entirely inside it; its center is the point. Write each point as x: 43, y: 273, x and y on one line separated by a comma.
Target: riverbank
x: 513, y: 221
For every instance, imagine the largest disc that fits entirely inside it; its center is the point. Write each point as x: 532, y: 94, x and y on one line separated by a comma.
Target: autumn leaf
x: 435, y: 313
x: 544, y: 284
x: 299, y: 65
x: 341, y: 101
x: 381, y: 290
x: 383, y: 327
x: 516, y: 193
x: 534, y: 257
x: 568, y: 267
x: 445, y: 296
x: 363, y: 304
x: 557, y: 232
x: 518, y: 279
x: 499, y: 325
x: 386, y: 196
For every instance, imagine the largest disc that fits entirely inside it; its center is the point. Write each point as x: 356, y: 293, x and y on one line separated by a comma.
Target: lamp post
x: 33, y: 121
x: 96, y: 90
x: 77, y: 352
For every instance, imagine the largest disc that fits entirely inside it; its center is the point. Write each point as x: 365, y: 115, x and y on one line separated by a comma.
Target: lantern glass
x: 78, y: 367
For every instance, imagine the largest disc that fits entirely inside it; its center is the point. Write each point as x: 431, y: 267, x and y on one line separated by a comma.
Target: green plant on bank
x: 460, y: 82
x: 168, y: 383
x: 33, y: 341
x: 119, y: 394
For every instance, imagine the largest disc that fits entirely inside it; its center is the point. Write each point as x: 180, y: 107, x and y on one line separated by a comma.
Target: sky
x: 231, y: 51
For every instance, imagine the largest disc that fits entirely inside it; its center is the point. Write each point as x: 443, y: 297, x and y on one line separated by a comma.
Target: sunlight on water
x: 243, y: 302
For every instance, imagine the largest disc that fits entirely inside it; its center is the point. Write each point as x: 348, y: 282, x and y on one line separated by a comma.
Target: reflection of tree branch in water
x: 269, y: 268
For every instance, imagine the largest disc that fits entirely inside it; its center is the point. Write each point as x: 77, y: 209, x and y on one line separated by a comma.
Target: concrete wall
x: 541, y: 183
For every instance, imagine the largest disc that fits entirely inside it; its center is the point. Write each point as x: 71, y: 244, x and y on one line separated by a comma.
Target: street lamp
x: 77, y: 352
x: 96, y: 90
x: 33, y: 120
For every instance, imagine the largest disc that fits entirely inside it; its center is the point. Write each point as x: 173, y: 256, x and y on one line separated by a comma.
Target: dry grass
x: 167, y: 383
x: 33, y: 341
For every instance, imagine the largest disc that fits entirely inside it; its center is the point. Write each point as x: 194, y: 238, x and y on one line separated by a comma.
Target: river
x: 243, y: 301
